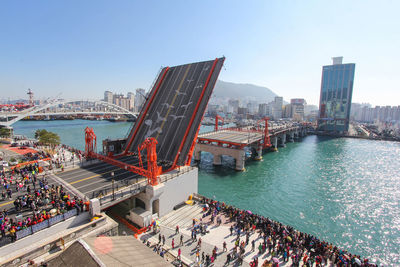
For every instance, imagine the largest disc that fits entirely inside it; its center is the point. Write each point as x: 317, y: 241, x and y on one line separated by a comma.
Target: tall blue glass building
x: 335, y: 99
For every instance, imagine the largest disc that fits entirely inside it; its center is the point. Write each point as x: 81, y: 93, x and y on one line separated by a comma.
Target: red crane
x: 216, y: 121
x: 266, y: 140
x: 153, y: 170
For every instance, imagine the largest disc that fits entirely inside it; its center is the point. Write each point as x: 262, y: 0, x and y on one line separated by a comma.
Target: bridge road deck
x: 94, y: 179
x: 232, y: 137
x: 174, y: 109
x: 8, y: 204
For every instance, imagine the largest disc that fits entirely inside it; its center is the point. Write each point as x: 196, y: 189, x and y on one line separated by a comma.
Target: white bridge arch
x: 103, y: 108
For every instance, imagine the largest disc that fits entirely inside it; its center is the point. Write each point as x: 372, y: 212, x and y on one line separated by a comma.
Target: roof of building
x: 109, y: 251
x: 74, y: 255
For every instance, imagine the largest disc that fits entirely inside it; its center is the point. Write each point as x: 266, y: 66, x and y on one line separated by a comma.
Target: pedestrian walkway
x: 183, y: 217
x: 215, y: 236
x: 188, y: 248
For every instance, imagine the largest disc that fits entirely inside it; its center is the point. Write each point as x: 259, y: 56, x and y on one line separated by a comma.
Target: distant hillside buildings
x: 132, y: 102
x: 295, y: 109
x: 275, y: 109
x: 366, y: 113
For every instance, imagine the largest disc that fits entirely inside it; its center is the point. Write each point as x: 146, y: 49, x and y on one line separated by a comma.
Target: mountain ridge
x: 243, y: 91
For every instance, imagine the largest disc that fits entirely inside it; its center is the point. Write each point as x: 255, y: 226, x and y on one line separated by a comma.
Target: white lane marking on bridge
x: 68, y: 186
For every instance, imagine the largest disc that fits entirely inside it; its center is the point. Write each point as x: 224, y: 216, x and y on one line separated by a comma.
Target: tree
x: 47, y: 138
x: 5, y: 132
x: 40, y: 132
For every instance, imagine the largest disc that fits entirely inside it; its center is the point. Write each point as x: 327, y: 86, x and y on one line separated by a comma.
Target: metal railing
x: 168, y: 176
x: 45, y: 224
x: 126, y: 188
x: 121, y: 194
x: 271, y: 131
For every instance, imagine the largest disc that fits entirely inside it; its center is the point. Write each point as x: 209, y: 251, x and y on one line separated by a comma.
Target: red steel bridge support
x: 153, y: 170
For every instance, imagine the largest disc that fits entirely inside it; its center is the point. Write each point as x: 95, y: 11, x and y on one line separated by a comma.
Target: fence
x: 45, y: 224
x: 118, y: 194
x: 118, y: 185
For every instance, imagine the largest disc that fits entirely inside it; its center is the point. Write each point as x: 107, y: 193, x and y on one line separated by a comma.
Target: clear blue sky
x: 82, y: 48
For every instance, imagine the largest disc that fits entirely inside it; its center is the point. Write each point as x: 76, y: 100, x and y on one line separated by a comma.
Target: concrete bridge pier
x: 197, y: 154
x: 147, y: 203
x: 291, y: 136
x: 259, y: 153
x: 283, y: 139
x: 157, y: 201
x: 217, y: 160
x: 275, y: 142
x: 240, y: 160
x: 237, y: 153
x: 295, y: 135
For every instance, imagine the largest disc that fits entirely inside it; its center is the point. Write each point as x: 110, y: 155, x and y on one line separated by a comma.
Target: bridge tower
x: 30, y: 93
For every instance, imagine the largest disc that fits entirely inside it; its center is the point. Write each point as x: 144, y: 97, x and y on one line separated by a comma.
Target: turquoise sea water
x: 345, y: 191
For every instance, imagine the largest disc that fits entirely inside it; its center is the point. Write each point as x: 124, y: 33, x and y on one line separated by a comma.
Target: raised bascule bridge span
x: 234, y: 140
x: 150, y: 170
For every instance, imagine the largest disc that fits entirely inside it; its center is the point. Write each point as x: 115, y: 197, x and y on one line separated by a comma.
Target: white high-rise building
x: 108, y: 97
x: 277, y: 108
x: 131, y: 97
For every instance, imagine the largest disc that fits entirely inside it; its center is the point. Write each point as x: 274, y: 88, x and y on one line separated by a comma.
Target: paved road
x: 96, y: 178
x: 8, y: 204
x: 232, y: 136
x: 183, y: 93
x: 90, y: 180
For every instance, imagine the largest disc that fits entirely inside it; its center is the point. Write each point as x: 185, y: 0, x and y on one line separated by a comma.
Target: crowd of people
x: 279, y: 240
x: 32, y: 195
x: 66, y: 155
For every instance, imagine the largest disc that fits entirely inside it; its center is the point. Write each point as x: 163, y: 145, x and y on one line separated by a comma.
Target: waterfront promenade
x: 216, y: 236
x: 268, y: 242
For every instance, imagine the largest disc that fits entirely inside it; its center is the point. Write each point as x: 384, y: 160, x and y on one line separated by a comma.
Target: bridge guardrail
x: 271, y: 131
x: 123, y: 188
x: 45, y: 224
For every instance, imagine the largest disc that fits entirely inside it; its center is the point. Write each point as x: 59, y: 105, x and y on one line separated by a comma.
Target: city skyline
x: 91, y: 47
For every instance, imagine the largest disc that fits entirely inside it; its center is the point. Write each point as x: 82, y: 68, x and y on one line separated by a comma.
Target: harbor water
x: 345, y: 191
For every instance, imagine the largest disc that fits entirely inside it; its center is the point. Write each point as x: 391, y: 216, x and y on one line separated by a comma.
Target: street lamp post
x: 113, y: 193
